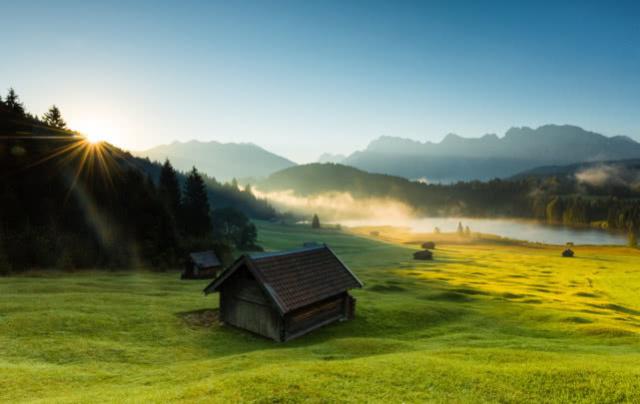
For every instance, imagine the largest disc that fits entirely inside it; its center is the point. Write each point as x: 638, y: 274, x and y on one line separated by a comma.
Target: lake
x: 510, y: 228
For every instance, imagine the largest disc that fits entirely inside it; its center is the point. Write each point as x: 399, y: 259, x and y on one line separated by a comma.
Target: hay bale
x: 423, y: 255
x: 428, y: 245
x: 374, y: 233
x: 568, y: 253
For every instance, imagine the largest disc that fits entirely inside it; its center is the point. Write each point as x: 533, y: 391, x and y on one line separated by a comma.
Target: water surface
x: 510, y: 228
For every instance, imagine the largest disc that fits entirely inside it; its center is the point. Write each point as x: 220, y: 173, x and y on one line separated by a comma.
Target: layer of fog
x: 609, y: 175
x: 339, y: 206
x: 343, y: 208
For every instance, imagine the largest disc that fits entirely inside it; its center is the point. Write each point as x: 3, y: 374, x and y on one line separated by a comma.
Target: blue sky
x: 304, y: 77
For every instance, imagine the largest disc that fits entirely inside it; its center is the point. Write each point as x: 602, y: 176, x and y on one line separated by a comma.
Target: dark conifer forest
x: 68, y: 203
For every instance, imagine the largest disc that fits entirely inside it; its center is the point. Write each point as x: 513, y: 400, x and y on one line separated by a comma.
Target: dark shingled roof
x: 296, y: 278
x: 205, y: 259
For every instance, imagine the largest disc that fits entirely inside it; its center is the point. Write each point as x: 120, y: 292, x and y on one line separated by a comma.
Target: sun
x: 95, y: 137
x: 96, y: 131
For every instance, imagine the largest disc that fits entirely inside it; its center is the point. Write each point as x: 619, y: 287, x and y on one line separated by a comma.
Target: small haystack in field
x: 568, y: 253
x: 423, y: 255
x: 429, y: 245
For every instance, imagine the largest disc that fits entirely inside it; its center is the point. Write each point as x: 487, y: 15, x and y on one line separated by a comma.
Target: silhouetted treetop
x: 53, y: 118
x: 195, y: 206
x: 169, y: 188
x: 13, y: 102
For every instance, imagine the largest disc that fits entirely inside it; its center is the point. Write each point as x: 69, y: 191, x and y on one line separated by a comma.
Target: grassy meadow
x: 484, y: 321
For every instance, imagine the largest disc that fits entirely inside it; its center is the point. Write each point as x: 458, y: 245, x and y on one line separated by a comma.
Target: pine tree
x: 460, y: 229
x: 315, y: 222
x: 5, y: 264
x: 195, y: 206
x: 53, y: 118
x: 632, y: 239
x: 467, y: 231
x: 169, y: 188
x: 13, y: 102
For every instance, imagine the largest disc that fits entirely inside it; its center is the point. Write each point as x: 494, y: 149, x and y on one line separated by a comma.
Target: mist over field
x: 336, y: 206
x: 609, y: 175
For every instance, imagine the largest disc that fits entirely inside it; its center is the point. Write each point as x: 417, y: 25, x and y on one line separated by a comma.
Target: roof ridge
x: 295, y: 278
x: 258, y: 256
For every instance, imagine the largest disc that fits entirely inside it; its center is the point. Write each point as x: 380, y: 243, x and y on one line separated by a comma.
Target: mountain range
x: 458, y: 158
x: 455, y: 158
x: 223, y: 161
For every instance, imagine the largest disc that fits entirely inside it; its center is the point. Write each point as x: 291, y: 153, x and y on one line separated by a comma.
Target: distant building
x: 201, y: 265
x: 283, y: 295
x: 423, y: 255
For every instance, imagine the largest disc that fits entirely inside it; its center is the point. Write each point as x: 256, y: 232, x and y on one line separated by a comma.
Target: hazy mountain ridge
x: 220, y: 160
x: 331, y: 158
x: 315, y: 178
x: 490, y: 156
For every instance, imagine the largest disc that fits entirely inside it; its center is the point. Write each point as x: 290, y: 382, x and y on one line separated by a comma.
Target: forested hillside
x: 573, y: 200
x: 68, y: 203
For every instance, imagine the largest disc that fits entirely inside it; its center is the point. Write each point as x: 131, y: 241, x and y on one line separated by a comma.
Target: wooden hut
x: 201, y: 265
x: 423, y: 255
x: 283, y: 295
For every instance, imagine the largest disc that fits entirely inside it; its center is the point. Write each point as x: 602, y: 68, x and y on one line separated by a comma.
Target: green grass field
x: 494, y: 323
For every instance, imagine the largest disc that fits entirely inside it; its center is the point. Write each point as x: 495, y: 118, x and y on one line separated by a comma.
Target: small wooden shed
x: 201, y: 265
x: 283, y: 295
x: 423, y: 255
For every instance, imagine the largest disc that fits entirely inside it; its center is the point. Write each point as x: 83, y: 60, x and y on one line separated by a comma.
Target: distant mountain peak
x: 521, y: 148
x: 220, y: 160
x: 451, y: 137
x: 331, y: 158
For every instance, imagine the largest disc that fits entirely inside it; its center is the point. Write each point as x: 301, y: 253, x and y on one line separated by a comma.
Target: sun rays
x: 93, y: 159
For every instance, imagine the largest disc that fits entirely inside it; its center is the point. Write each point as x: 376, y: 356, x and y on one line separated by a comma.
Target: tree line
x: 52, y: 118
x: 191, y: 212
x: 69, y: 204
x: 558, y: 200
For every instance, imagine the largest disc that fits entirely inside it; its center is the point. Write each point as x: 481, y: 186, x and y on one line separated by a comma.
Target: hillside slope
x: 503, y: 198
x: 68, y: 203
x: 478, y: 324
